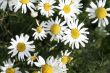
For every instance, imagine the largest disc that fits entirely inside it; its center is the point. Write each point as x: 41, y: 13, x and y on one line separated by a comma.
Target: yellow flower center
x: 39, y: 29
x: 47, y: 6
x: 75, y: 33
x: 24, y: 1
x: 67, y: 9
x: 55, y: 29
x: 21, y: 47
x: 33, y: 58
x: 66, y: 59
x: 10, y: 70
x: 101, y: 13
x: 47, y: 69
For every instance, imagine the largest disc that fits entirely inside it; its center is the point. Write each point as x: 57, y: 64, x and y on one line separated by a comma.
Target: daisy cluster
x: 51, y: 65
x: 65, y: 28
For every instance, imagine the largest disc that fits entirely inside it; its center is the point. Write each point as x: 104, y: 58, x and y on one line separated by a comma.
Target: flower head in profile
x: 39, y: 33
x: 66, y: 58
x: 32, y: 59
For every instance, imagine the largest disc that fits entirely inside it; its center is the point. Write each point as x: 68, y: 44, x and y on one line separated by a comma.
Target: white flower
x: 66, y: 58
x: 4, y: 3
x: 9, y: 67
x: 99, y: 12
x: 46, y: 7
x: 21, y: 46
x: 32, y: 59
x: 67, y: 9
x: 76, y: 35
x: 55, y: 29
x: 24, y: 4
x: 39, y: 31
x: 51, y: 65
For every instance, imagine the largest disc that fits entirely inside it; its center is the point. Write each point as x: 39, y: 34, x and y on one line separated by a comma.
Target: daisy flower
x: 39, y: 31
x: 9, y: 67
x: 51, y: 65
x: 76, y: 35
x: 24, y: 4
x: 21, y: 46
x: 46, y: 7
x: 4, y: 3
x: 99, y: 12
x: 65, y: 57
x: 31, y: 60
x: 67, y: 9
x: 55, y: 29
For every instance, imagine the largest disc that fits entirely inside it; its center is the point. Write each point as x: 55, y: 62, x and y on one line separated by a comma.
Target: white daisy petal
x: 93, y: 5
x: 108, y: 9
x: 106, y: 20
x: 95, y: 21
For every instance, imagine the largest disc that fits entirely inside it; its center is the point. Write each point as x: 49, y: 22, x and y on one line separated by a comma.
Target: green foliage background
x: 94, y: 58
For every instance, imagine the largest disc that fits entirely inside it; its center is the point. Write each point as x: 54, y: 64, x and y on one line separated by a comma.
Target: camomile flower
x: 24, y: 4
x: 51, y: 65
x: 67, y: 9
x: 78, y: 5
x: 55, y: 29
x: 76, y: 34
x: 9, y: 67
x: 39, y: 31
x: 99, y: 12
x: 4, y: 3
x: 46, y: 7
x: 32, y: 59
x: 66, y: 58
x: 21, y: 46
